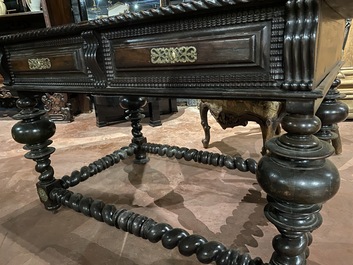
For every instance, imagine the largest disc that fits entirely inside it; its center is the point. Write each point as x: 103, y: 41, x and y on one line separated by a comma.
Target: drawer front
x: 193, y: 57
x: 237, y: 51
x: 42, y: 61
x: 49, y: 63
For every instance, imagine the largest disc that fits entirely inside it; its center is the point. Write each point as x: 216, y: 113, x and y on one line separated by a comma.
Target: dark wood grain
x: 275, y: 50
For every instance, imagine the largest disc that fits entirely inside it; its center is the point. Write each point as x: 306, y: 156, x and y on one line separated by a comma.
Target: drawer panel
x: 46, y: 62
x: 49, y: 63
x: 239, y: 50
x: 232, y: 54
x: 232, y: 46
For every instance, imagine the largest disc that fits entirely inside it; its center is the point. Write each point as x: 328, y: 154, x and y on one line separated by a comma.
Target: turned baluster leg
x: 331, y: 112
x: 34, y: 131
x: 133, y: 106
x: 297, y: 178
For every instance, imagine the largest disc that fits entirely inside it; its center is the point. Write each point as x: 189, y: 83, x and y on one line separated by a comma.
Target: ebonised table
x: 287, y: 51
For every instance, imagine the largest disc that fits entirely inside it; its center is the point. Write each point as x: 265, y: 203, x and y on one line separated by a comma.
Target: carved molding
x: 90, y: 55
x: 55, y: 81
x: 37, y: 34
x: 241, y: 80
x: 299, y: 43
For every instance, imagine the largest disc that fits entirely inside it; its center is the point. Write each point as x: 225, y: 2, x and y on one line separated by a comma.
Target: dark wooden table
x: 288, y: 51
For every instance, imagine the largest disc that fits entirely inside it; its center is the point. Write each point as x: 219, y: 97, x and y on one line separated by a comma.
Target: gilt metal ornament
x: 184, y: 54
x: 39, y: 63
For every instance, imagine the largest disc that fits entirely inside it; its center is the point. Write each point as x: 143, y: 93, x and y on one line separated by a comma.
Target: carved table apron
x: 287, y: 51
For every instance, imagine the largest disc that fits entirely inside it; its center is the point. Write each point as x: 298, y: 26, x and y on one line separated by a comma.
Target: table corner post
x: 33, y: 130
x: 298, y: 178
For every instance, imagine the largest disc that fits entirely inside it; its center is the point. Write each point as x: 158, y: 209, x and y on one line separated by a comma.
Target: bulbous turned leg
x: 331, y: 112
x: 34, y: 131
x: 204, y: 122
x: 133, y: 106
x: 297, y: 178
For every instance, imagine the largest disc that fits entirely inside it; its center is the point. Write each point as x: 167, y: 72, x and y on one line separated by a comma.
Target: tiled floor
x: 220, y: 204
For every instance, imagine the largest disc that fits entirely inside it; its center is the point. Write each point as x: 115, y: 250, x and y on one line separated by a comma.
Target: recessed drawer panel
x: 50, y: 63
x: 46, y: 62
x: 239, y: 50
x: 232, y: 46
x: 232, y: 54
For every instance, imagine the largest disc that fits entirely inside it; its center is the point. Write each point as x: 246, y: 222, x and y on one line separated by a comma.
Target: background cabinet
x: 54, y: 13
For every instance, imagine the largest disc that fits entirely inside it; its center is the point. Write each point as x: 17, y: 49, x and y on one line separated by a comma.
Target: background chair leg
x: 204, y: 122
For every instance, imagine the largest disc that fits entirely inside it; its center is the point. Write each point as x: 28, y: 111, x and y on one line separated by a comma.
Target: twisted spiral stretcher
x: 143, y: 226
